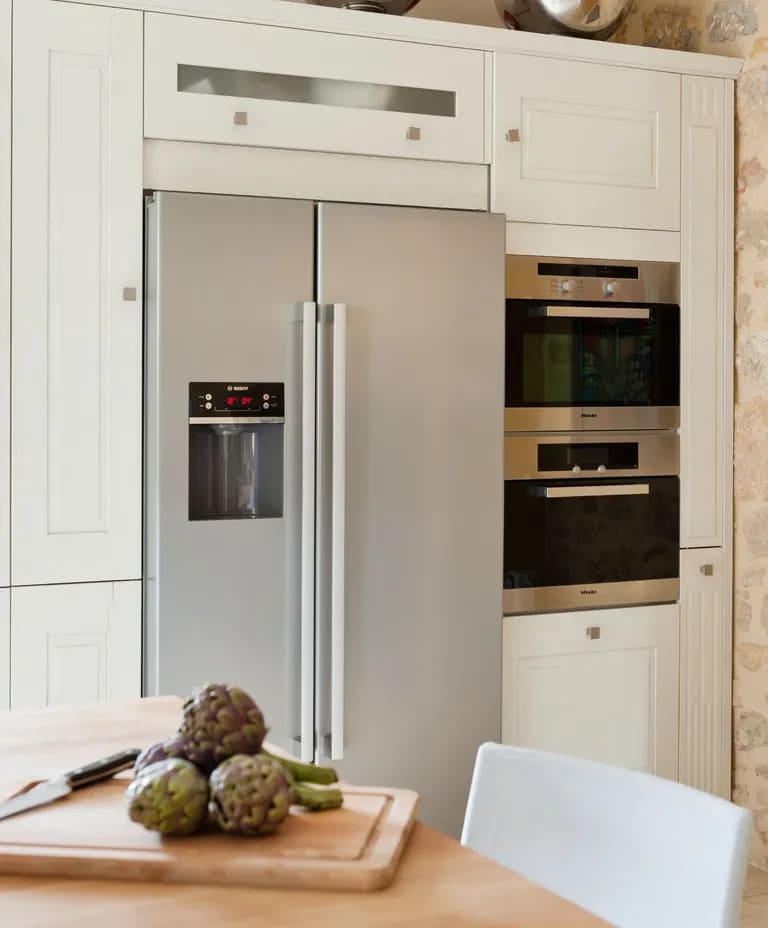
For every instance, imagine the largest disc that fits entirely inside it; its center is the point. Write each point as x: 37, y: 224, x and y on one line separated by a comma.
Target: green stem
x: 317, y: 800
x: 307, y: 773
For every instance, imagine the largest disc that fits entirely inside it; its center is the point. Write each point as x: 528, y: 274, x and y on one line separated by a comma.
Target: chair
x: 636, y: 850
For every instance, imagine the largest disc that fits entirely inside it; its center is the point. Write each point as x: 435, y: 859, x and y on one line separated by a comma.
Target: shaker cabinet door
x: 77, y: 269
x: 240, y: 84
x: 600, y: 684
x: 5, y: 301
x: 586, y: 144
x: 706, y: 313
x: 75, y: 644
x: 705, y: 671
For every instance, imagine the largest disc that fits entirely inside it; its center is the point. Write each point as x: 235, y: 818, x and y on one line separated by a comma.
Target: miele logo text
x: 588, y: 592
x: 589, y: 415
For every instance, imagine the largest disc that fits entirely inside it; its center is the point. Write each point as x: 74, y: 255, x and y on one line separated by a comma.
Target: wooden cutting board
x: 89, y: 835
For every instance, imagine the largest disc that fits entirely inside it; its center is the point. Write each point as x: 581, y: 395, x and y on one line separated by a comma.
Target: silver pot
x: 588, y: 19
x: 396, y: 7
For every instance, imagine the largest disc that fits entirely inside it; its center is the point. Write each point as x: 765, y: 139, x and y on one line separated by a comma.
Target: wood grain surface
x: 439, y: 884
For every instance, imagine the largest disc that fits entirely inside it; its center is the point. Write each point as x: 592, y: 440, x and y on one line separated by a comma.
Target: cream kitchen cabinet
x: 76, y: 293
x: 706, y: 382
x: 5, y: 302
x: 599, y: 684
x: 76, y: 643
x: 585, y: 144
x: 5, y: 649
x: 705, y: 671
x: 209, y: 81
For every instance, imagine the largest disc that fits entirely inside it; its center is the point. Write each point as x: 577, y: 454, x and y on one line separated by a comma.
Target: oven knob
x: 610, y: 288
x: 601, y: 468
x: 209, y: 405
x: 575, y: 469
x: 567, y: 286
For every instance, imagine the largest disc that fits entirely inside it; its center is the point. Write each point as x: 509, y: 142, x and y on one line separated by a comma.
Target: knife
x: 63, y: 785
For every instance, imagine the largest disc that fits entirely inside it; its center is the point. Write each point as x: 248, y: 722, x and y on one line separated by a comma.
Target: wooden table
x: 439, y: 884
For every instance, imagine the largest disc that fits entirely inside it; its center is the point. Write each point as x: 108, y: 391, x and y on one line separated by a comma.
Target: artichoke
x: 173, y: 747
x: 250, y: 795
x: 218, y: 722
x: 170, y: 796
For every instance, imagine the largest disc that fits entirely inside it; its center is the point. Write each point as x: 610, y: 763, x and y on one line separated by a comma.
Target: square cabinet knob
x: 240, y: 118
x: 413, y: 133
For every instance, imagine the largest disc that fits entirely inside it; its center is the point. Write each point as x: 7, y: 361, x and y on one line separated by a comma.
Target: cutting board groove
x: 89, y: 835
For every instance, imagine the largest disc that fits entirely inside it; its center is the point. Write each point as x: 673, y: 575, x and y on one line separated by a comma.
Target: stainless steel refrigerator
x: 324, y: 424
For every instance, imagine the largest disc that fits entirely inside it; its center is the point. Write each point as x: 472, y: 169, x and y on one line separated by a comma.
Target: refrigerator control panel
x: 237, y: 400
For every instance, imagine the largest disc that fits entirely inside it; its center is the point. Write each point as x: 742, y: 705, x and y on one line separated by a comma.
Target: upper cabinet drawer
x: 212, y: 81
x: 586, y: 144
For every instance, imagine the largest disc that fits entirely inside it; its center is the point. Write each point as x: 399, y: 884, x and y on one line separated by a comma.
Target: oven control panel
x: 237, y: 400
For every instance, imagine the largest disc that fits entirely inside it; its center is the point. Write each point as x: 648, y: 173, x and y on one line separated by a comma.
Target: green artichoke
x: 173, y: 747
x: 170, y: 796
x: 250, y: 795
x: 218, y: 722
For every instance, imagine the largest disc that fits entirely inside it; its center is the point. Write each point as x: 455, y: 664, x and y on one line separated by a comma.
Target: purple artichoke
x: 163, y: 750
x: 218, y: 722
x: 170, y: 796
x: 250, y: 795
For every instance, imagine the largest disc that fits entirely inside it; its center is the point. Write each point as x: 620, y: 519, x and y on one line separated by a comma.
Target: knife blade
x: 63, y: 785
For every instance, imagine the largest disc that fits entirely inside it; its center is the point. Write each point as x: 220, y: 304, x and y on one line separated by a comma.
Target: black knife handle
x: 102, y: 769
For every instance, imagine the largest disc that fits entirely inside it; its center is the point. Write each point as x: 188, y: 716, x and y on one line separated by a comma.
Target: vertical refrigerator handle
x: 307, y: 635
x: 338, y: 525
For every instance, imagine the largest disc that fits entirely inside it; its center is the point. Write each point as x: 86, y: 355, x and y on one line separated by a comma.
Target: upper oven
x: 591, y: 345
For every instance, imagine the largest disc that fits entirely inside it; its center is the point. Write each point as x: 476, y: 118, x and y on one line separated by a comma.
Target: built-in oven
x: 590, y: 520
x: 591, y: 345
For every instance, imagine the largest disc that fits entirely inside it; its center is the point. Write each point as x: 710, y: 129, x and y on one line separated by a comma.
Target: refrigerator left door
x: 229, y: 280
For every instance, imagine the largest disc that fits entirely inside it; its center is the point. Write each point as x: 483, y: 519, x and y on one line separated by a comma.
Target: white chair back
x: 636, y: 850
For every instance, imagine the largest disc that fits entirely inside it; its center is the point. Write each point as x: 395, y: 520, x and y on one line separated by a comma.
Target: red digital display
x: 242, y: 401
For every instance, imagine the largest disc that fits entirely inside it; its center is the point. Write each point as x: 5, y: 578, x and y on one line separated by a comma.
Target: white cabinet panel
x: 209, y: 81
x: 77, y: 643
x: 5, y: 649
x: 586, y: 144
x: 705, y: 671
x: 5, y: 294
x: 706, y: 394
x: 611, y: 698
x: 77, y: 237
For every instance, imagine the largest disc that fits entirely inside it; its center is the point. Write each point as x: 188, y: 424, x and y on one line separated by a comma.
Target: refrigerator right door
x: 410, y: 435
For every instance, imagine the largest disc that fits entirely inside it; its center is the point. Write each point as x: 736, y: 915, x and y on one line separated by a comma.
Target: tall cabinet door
x: 77, y: 267
x: 423, y: 337
x: 705, y: 671
x: 5, y: 294
x: 74, y: 644
x: 706, y: 382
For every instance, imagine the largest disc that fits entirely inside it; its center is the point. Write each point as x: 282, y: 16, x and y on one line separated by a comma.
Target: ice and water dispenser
x: 236, y: 450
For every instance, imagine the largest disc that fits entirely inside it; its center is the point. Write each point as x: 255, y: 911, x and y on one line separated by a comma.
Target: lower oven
x: 590, y: 521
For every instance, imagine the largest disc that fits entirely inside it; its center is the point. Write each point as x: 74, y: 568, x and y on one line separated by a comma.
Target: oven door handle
x: 591, y: 312
x: 614, y: 489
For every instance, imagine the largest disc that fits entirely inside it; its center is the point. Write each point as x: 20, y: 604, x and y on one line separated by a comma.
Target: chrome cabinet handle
x: 512, y: 135
x: 338, y: 526
x: 591, y: 312
x: 413, y: 134
x: 307, y: 627
x: 616, y: 489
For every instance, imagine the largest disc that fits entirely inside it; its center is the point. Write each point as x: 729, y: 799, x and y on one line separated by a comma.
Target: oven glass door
x: 590, y: 357
x: 586, y: 543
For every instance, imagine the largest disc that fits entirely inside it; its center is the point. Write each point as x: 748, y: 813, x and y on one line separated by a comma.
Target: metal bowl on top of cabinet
x: 396, y: 7
x: 587, y: 19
